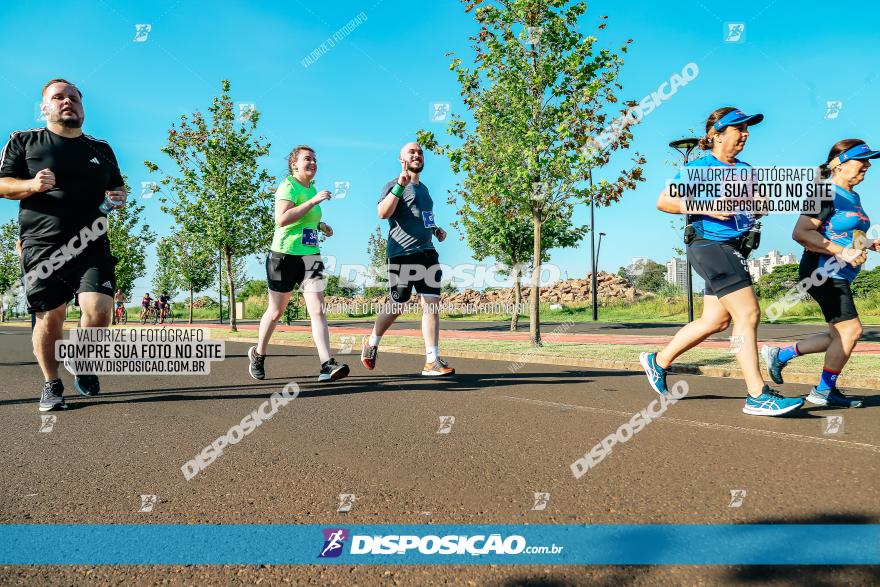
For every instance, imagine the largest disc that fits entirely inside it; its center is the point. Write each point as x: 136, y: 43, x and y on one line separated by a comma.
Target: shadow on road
x: 311, y: 389
x: 818, y: 575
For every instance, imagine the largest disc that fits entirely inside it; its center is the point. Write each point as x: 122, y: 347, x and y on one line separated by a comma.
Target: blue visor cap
x: 737, y: 117
x: 862, y: 151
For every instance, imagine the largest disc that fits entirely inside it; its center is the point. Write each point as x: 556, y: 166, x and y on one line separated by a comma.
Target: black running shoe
x: 256, y: 368
x: 87, y: 385
x: 331, y: 371
x: 52, y: 397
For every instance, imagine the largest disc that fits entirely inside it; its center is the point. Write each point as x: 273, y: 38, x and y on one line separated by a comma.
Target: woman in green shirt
x: 295, y: 260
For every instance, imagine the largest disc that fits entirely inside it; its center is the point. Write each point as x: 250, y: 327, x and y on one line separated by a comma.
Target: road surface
x: 375, y: 435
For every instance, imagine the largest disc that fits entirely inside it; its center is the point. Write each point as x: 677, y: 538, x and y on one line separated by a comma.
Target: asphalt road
x: 375, y: 435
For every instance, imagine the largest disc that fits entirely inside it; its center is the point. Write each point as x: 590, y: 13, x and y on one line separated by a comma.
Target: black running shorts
x: 420, y: 271
x: 286, y: 272
x: 834, y: 296
x: 51, y: 280
x: 721, y: 265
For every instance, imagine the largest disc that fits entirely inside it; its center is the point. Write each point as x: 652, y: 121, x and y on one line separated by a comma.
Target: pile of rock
x: 570, y: 291
x: 562, y: 292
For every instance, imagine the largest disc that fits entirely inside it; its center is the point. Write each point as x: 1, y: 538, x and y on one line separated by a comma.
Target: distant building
x: 760, y: 266
x: 676, y: 272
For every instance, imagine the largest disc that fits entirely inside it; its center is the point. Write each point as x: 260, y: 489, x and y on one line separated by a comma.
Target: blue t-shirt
x: 841, y: 220
x: 714, y: 229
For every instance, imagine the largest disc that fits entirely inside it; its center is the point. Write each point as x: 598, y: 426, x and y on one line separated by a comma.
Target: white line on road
x: 708, y: 425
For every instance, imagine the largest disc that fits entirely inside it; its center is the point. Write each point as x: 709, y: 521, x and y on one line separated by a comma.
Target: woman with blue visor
x: 836, y: 246
x: 718, y: 244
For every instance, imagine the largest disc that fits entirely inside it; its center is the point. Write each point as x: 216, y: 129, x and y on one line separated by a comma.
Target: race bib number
x: 310, y: 237
x: 744, y: 221
x: 428, y: 219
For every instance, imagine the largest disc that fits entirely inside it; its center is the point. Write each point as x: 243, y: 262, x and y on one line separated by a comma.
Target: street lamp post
x: 599, y: 246
x: 593, y: 279
x: 685, y: 147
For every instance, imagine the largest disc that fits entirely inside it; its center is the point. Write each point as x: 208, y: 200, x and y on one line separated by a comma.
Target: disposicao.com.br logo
x: 453, y: 544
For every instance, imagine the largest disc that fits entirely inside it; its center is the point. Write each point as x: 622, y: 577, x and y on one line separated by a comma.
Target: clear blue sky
x: 370, y: 93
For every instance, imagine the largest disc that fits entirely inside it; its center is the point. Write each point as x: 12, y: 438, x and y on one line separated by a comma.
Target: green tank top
x: 301, y: 237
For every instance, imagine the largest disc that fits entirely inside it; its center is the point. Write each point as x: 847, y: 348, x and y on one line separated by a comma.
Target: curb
x: 871, y: 383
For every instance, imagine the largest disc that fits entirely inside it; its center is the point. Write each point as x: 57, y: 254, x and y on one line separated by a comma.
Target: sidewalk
x: 556, y: 333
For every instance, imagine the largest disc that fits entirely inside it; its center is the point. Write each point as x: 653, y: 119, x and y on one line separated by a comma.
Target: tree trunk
x: 230, y: 281
x: 517, y: 298
x: 190, y: 303
x: 535, y: 318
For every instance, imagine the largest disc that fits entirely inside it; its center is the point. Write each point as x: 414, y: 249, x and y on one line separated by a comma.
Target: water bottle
x: 107, y: 205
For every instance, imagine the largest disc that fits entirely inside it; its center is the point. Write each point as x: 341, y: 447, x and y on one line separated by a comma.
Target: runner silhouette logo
x: 334, y: 541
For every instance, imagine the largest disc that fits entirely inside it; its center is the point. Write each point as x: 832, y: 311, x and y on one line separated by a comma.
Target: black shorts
x: 721, y: 265
x: 52, y: 282
x: 834, y: 297
x: 286, y: 272
x: 419, y: 270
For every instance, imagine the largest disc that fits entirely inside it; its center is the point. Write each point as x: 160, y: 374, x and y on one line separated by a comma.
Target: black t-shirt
x: 84, y: 168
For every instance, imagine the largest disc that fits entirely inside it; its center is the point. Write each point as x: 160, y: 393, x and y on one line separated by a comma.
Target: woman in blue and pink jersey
x: 836, y: 246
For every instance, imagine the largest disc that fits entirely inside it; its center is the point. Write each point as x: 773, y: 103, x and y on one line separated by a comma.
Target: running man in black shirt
x: 61, y: 177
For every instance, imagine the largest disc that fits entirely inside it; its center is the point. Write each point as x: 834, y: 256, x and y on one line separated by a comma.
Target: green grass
x: 653, y: 310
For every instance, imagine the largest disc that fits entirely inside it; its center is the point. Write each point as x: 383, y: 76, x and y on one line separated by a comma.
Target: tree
x: 128, y: 243
x: 538, y: 107
x: 867, y: 283
x: 254, y: 287
x: 220, y: 192
x: 195, y: 263
x: 239, y: 278
x: 650, y: 276
x: 166, y: 277
x: 10, y: 267
x: 493, y: 231
x: 777, y: 282
x: 377, y: 248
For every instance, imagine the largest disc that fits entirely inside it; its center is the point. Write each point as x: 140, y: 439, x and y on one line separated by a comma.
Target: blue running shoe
x: 770, y: 403
x: 774, y: 365
x: 833, y: 398
x: 656, y: 374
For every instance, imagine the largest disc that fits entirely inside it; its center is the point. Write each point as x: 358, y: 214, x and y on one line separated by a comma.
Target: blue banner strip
x: 170, y: 544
